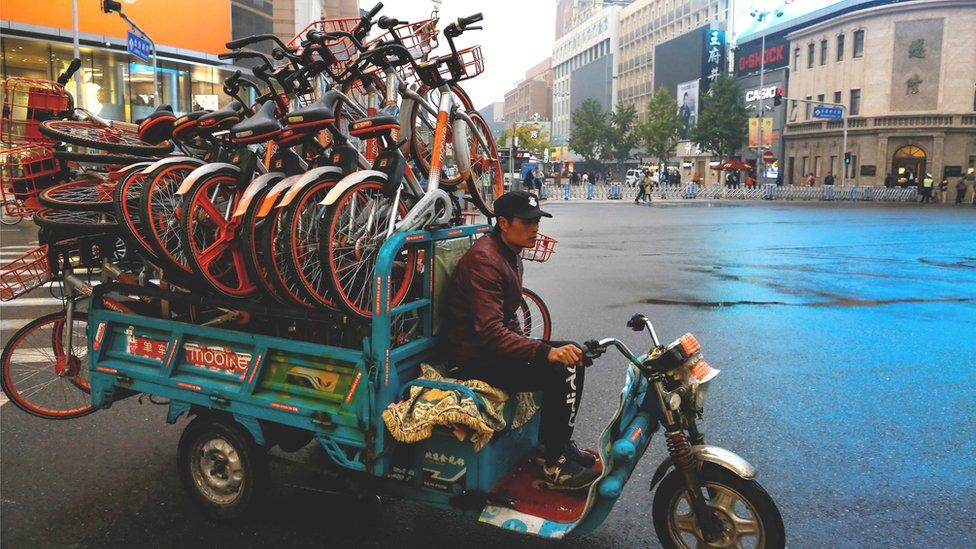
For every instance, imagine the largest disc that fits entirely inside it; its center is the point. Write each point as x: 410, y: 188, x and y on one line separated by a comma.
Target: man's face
x: 519, y: 232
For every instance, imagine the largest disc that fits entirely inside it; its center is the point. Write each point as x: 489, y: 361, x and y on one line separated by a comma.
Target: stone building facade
x: 906, y: 73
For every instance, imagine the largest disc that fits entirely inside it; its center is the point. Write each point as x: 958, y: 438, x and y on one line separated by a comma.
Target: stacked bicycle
x: 273, y: 211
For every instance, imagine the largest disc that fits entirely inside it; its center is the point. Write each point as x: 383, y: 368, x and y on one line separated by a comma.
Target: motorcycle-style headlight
x: 698, y: 393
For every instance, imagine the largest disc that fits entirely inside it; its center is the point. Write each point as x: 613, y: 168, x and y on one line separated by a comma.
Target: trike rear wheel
x: 223, y: 470
x: 748, y: 514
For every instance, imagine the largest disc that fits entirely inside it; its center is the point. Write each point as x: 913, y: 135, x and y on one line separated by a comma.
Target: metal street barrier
x: 693, y: 191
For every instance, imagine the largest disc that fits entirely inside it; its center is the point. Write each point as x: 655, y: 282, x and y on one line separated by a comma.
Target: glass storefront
x: 116, y: 85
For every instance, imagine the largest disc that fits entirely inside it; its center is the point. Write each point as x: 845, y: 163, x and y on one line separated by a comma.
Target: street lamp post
x: 108, y: 6
x: 760, y: 16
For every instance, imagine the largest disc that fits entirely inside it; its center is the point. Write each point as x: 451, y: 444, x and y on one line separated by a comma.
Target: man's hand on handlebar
x: 568, y: 355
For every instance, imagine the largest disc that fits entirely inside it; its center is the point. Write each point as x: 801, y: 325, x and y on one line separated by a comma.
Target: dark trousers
x: 562, y: 390
x: 640, y: 194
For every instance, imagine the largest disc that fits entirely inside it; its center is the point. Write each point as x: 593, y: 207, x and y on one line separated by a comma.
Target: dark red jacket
x: 478, y: 322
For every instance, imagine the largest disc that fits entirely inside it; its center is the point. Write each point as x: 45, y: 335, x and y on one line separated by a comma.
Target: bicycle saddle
x: 221, y: 119
x: 260, y: 127
x: 158, y: 126
x: 374, y: 126
x: 322, y: 111
x: 184, y: 127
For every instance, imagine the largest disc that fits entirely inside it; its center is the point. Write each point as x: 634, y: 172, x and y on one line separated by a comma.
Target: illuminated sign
x: 757, y: 94
x: 795, y: 12
x: 748, y: 58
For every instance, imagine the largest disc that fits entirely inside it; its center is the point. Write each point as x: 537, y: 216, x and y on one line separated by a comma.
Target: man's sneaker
x: 584, y: 459
x: 571, y: 451
x: 566, y: 474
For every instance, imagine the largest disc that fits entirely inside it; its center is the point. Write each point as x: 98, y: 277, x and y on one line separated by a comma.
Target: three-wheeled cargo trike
x: 248, y: 392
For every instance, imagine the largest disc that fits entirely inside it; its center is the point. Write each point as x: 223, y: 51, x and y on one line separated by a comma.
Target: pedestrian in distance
x: 928, y: 182
x: 663, y: 181
x: 887, y: 180
x: 643, y: 188
x: 588, y: 183
x: 528, y: 181
x: 960, y: 190
x: 943, y: 189
x: 810, y: 180
x: 779, y: 179
x: 677, y: 178
x: 829, y: 179
x: 696, y: 177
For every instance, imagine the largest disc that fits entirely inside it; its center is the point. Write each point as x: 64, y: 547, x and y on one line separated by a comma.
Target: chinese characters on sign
x: 713, y: 62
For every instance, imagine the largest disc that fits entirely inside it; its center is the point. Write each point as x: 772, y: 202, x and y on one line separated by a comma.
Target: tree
x: 590, y: 128
x: 525, y: 132
x: 659, y: 133
x: 621, y: 137
x: 722, y: 119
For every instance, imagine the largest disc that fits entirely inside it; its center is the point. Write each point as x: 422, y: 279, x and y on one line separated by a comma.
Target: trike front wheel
x: 748, y: 514
x: 223, y: 470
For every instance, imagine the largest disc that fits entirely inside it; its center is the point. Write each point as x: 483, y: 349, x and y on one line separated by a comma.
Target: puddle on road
x: 838, y: 302
x: 966, y: 263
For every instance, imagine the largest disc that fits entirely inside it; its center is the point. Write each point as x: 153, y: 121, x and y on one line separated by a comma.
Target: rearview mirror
x: 637, y: 323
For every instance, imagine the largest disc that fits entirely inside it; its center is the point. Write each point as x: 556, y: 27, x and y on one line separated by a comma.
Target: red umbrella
x: 733, y: 164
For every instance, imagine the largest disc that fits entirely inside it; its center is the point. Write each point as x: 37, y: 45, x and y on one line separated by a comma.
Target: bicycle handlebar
x: 464, y: 22
x: 70, y: 71
x: 241, y: 42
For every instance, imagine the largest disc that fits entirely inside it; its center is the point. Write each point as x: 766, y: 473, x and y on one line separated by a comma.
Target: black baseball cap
x: 520, y: 204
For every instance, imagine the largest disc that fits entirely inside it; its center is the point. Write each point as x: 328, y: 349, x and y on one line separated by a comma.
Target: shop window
x: 859, y: 43
x: 820, y: 98
x: 816, y: 166
x: 838, y: 97
x: 26, y: 58
x: 141, y: 95
x: 810, y: 50
x: 840, y: 47
x: 823, y: 52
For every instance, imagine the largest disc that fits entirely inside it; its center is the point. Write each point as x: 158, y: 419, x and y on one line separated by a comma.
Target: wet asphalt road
x: 845, y: 336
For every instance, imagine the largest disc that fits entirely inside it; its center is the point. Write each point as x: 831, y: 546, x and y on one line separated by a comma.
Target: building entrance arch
x: 908, y: 165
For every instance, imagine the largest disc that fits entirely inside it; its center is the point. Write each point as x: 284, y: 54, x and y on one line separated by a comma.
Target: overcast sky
x: 518, y: 34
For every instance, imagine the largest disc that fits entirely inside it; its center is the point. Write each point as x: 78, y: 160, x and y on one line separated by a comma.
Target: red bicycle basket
x: 545, y: 246
x: 26, y: 102
x: 468, y: 63
x: 24, y: 172
x: 25, y: 273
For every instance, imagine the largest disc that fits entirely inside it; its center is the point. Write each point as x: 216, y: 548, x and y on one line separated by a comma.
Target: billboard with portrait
x: 687, y: 95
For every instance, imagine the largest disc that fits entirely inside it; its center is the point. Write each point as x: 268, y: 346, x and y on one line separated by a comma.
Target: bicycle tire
x: 353, y: 293
x: 75, y: 222
x: 114, y: 159
x: 485, y: 169
x: 213, y: 249
x: 50, y: 360
x: 86, y: 194
x: 255, y: 260
x: 160, y: 211
x: 9, y: 220
x: 281, y: 276
x: 535, y: 320
x: 300, y: 224
x: 93, y: 135
x: 127, y: 196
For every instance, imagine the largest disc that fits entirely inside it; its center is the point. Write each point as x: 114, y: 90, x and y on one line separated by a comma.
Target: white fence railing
x: 714, y: 192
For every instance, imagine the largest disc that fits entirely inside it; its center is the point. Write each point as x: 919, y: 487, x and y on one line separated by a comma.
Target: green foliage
x: 524, y: 133
x: 722, y: 119
x: 659, y: 133
x: 590, y: 129
x: 622, y: 136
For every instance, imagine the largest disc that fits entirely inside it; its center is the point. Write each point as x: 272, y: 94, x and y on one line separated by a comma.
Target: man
x: 484, y: 341
x: 829, y: 180
x: 927, y: 182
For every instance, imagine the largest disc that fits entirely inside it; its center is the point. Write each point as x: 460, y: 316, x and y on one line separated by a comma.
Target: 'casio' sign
x: 758, y: 94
